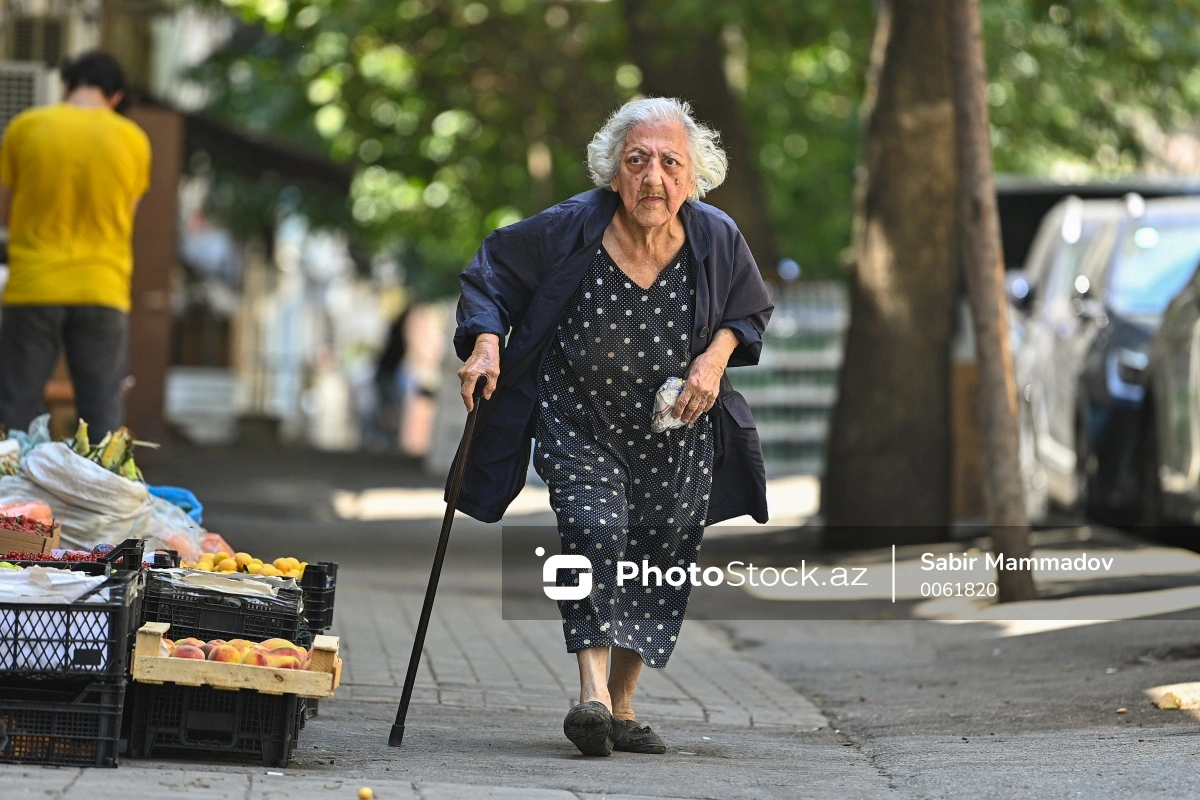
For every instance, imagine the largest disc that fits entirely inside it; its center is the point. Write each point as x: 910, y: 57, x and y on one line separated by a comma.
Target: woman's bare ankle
x: 598, y: 696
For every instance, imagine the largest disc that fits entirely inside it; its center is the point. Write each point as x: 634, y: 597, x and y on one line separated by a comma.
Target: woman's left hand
x: 703, y: 381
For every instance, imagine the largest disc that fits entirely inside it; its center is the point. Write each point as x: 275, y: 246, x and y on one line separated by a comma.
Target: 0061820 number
x: 982, y: 589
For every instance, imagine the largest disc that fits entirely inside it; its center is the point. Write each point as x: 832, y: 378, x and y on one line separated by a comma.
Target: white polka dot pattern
x: 620, y: 491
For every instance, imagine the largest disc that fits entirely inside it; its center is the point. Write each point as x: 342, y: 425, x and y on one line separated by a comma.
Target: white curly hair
x: 709, y: 162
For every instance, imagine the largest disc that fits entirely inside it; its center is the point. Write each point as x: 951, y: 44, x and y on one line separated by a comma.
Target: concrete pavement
x: 486, y: 721
x: 486, y: 718
x: 881, y: 703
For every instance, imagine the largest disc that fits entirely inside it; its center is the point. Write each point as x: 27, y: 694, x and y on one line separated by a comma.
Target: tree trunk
x: 984, y: 266
x: 689, y: 65
x: 888, y: 472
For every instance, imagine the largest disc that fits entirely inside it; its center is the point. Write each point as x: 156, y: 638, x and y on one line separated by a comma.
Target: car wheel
x: 1033, y: 475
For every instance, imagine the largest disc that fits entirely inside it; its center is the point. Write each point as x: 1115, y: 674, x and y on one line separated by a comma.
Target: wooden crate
x: 322, y: 677
x: 14, y: 541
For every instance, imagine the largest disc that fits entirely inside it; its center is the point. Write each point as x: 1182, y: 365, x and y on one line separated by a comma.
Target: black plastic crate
x: 68, y: 724
x: 208, y: 614
x: 125, y: 557
x: 319, y: 585
x: 200, y: 719
x: 82, y: 639
x: 310, y: 708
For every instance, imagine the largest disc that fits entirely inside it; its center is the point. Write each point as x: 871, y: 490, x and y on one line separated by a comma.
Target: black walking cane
x: 414, y: 661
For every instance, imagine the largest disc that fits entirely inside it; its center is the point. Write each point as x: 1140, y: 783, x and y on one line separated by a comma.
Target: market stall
x: 128, y: 629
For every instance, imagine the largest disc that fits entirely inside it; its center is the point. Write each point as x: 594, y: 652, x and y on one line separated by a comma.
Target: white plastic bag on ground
x: 64, y: 473
x: 94, y: 505
x: 170, y: 528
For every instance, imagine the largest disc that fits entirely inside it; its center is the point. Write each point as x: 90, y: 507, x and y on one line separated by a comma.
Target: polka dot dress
x: 621, y: 491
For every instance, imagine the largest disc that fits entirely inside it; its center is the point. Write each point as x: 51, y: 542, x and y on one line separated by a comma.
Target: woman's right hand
x: 483, y: 363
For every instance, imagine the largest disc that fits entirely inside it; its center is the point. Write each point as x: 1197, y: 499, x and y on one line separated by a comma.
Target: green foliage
x: 805, y: 75
x: 460, y: 116
x: 1086, y: 88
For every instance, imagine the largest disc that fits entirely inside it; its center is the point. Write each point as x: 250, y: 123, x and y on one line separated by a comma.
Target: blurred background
x: 323, y: 169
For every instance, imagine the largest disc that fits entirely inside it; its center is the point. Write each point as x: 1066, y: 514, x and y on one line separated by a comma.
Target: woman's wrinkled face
x: 655, y: 174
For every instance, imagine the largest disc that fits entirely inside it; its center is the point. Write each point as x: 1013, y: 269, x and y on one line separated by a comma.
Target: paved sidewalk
x: 474, y: 659
x: 214, y: 786
x: 487, y: 714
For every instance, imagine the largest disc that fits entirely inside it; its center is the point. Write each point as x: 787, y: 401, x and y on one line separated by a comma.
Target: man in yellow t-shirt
x: 71, y: 176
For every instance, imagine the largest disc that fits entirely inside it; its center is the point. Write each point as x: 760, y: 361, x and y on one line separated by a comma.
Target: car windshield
x: 1155, y: 264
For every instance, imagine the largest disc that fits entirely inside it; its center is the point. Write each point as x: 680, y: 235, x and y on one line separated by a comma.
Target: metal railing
x: 793, y: 390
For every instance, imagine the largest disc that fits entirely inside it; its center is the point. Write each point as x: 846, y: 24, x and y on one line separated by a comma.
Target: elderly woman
x: 603, y: 298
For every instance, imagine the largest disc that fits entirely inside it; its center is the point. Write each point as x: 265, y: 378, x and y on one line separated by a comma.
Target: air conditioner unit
x: 23, y: 85
x: 40, y: 38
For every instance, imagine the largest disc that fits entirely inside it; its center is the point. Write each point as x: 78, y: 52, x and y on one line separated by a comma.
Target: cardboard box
x: 29, y: 542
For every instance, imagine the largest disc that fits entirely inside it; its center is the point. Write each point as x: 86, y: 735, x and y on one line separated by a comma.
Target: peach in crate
x: 288, y: 669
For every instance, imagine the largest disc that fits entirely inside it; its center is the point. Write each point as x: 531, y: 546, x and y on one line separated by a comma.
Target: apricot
x: 242, y: 559
x: 187, y: 651
x: 256, y: 658
x: 253, y: 568
x: 225, y: 652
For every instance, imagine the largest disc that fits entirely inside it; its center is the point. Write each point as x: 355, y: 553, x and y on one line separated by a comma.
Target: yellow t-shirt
x: 75, y: 174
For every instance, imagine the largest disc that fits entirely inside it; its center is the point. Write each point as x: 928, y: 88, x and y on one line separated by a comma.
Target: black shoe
x: 630, y: 738
x: 589, y: 726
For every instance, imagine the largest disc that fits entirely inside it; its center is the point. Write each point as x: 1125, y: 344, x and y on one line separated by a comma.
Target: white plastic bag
x: 94, y: 505
x: 170, y: 528
x: 664, y: 400
x: 69, y: 476
x: 38, y: 433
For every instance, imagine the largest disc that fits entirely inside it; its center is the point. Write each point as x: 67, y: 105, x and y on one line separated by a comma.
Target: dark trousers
x: 96, y: 342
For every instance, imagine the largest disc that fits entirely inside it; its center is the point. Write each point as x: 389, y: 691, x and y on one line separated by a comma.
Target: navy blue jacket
x: 522, y: 279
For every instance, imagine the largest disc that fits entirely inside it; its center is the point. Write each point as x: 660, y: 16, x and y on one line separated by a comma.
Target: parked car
x: 1099, y: 276
x: 1170, y: 452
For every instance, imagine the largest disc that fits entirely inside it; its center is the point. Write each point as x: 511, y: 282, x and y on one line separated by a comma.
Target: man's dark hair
x: 94, y: 68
